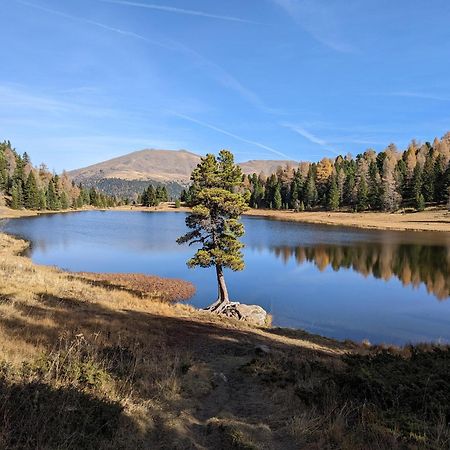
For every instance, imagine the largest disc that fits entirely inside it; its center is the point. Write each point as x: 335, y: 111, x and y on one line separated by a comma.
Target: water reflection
x: 295, y: 271
x: 412, y: 264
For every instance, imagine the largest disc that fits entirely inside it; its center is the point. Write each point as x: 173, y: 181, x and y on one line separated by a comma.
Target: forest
x: 153, y: 196
x: 27, y: 187
x: 384, y: 181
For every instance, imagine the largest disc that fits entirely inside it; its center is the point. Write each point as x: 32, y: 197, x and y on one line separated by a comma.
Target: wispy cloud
x: 130, y: 34
x: 320, y: 20
x: 309, y: 136
x: 215, y: 71
x: 227, y: 133
x: 172, y: 9
x: 422, y: 95
x: 306, y: 134
x: 17, y: 98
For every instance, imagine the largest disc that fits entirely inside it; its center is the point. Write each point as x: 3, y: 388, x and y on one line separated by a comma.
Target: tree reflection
x: 412, y: 264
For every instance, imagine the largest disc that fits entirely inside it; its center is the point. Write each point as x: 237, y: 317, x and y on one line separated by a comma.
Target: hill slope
x: 149, y: 164
x: 130, y: 174
x: 162, y: 165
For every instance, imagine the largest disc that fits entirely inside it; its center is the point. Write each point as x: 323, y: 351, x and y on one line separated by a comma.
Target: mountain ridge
x: 161, y: 166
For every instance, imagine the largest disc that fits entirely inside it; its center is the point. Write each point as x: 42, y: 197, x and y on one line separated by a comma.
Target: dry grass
x: 429, y: 220
x: 95, y: 361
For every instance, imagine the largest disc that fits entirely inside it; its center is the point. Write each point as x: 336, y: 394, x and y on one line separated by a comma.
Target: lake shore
x: 156, y: 373
x: 428, y: 220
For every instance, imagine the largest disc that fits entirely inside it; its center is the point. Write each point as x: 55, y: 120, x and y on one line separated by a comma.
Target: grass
x: 101, y: 361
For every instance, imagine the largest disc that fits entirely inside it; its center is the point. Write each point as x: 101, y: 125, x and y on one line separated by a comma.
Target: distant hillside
x: 150, y: 164
x: 129, y: 174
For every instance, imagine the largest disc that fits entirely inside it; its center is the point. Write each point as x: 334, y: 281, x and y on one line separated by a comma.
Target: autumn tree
x: 214, y: 221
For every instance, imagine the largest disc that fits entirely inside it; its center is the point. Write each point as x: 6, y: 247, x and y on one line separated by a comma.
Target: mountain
x: 130, y: 174
x: 149, y: 164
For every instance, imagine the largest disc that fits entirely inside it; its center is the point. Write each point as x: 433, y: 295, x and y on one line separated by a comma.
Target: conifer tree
x: 333, y: 195
x: 53, y: 203
x: 362, y: 196
x: 31, y: 193
x: 16, y: 196
x: 277, y: 200
x: 311, y: 194
x: 214, y: 221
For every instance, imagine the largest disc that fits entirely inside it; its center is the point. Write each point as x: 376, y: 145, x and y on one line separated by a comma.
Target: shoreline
x: 434, y: 220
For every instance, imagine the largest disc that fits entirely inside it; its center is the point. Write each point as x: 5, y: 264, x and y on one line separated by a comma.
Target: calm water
x: 343, y: 283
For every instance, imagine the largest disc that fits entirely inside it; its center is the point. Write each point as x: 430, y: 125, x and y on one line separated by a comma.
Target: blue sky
x: 82, y: 81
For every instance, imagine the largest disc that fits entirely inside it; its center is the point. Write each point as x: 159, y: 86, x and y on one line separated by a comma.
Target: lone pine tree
x: 214, y: 221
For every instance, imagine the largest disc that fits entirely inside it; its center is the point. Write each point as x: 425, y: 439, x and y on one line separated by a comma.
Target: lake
x: 384, y: 286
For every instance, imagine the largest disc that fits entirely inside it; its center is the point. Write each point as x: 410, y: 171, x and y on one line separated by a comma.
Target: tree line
x: 153, y: 196
x: 382, y: 181
x: 29, y: 187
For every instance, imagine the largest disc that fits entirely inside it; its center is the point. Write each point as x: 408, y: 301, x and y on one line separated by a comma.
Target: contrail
x: 172, y: 9
x: 309, y: 136
x: 131, y: 34
x: 215, y: 71
x: 227, y: 133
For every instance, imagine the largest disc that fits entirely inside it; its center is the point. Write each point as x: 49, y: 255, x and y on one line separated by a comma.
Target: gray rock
x: 253, y: 314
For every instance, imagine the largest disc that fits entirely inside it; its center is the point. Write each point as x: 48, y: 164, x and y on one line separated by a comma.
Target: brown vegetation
x: 84, y: 365
x: 429, y: 220
x: 146, y: 286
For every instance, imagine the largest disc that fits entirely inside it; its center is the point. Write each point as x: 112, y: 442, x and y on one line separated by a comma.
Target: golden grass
x: 428, y: 220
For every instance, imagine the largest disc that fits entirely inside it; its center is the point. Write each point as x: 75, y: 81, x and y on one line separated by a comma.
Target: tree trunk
x: 222, y: 294
x: 223, y: 291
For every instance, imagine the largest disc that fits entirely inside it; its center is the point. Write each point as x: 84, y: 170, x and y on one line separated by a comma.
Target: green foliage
x: 363, y: 196
x: 371, y: 181
x: 215, y: 224
x: 153, y: 197
x: 29, y: 187
x: 31, y: 195
x: 420, y: 202
x: 311, y: 195
x: 277, y: 200
x: 214, y: 221
x: 333, y: 195
x: 53, y: 202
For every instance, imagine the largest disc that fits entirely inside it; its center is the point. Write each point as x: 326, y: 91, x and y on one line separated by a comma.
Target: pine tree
x: 42, y: 200
x: 362, y: 196
x: 419, y: 202
x: 333, y: 195
x: 428, y: 176
x: 214, y: 221
x: 53, y: 203
x: 16, y: 196
x: 277, y: 200
x: 64, y: 200
x: 31, y: 193
x: 311, y: 194
x: 152, y: 199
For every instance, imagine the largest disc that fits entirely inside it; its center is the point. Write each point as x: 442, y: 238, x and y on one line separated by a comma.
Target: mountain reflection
x: 411, y: 264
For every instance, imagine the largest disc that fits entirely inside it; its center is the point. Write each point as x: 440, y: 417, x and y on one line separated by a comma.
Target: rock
x: 253, y: 314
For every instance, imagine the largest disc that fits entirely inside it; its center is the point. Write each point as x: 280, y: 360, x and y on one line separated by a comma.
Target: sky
x: 82, y: 81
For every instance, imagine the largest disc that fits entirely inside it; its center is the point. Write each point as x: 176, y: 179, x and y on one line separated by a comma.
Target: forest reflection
x: 412, y: 264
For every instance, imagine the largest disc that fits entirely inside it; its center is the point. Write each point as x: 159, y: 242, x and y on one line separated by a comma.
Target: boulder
x: 252, y: 314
